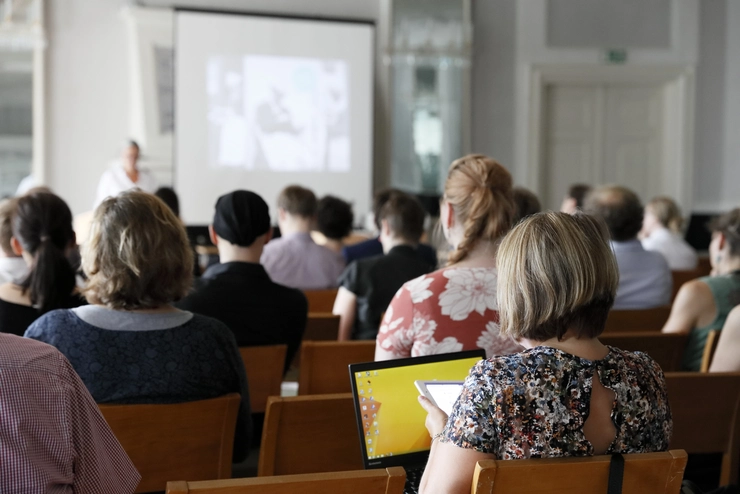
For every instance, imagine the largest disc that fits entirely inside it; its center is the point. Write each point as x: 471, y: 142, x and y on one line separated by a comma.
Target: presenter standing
x: 125, y: 174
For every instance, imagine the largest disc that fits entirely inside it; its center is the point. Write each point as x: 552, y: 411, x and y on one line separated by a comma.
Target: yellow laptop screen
x: 392, y: 419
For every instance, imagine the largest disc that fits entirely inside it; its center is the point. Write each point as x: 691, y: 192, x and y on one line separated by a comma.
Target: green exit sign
x: 616, y: 55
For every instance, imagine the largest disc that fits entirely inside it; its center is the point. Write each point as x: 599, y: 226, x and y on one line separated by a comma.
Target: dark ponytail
x: 43, y: 226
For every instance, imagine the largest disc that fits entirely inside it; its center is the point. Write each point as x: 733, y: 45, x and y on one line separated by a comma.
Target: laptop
x: 390, y: 420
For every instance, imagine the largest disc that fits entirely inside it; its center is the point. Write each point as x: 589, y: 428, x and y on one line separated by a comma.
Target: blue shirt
x: 373, y: 247
x: 645, y: 279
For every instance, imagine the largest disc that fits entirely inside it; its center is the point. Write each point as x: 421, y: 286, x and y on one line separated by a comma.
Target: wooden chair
x: 309, y: 434
x: 184, y: 440
x: 706, y: 416
x: 665, y: 348
x: 657, y: 473
x: 321, y: 326
x: 681, y: 277
x: 388, y: 481
x: 321, y: 300
x: 709, y: 348
x: 324, y: 365
x: 265, y: 366
x: 637, y: 320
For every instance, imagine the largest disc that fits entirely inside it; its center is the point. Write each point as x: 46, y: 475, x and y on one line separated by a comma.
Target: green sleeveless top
x: 726, y: 292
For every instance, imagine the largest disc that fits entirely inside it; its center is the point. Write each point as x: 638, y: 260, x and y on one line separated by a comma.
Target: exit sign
x: 616, y: 55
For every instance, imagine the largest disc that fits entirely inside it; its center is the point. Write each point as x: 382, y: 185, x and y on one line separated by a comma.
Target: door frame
x: 678, y: 117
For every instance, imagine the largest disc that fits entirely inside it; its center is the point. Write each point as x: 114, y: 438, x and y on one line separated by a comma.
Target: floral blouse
x: 534, y: 404
x: 449, y: 310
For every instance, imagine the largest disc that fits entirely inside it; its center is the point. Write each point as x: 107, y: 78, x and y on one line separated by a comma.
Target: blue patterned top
x: 193, y: 361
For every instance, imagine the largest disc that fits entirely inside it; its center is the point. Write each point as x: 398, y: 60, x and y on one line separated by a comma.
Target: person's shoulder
x: 638, y: 362
x: 17, y: 352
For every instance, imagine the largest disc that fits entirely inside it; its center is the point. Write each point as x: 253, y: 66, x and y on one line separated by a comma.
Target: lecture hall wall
x: 88, y: 88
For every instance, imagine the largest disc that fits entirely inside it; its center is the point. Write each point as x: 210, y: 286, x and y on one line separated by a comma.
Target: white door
x: 601, y: 133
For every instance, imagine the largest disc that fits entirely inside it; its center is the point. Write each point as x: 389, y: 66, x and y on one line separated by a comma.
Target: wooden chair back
x: 706, y: 418
x: 388, y: 481
x: 665, y: 348
x: 321, y: 326
x: 265, y: 366
x: 681, y: 277
x: 637, y: 320
x: 709, y: 348
x: 192, y: 440
x: 309, y: 434
x: 321, y: 300
x: 657, y: 473
x: 324, y: 365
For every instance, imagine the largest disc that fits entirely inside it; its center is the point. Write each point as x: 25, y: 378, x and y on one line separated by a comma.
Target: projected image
x: 278, y: 113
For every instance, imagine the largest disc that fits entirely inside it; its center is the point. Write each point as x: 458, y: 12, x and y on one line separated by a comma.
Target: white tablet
x: 441, y: 393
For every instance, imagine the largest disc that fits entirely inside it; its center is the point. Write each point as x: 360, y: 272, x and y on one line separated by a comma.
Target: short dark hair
x: 298, y: 201
x: 379, y: 200
x: 619, y: 207
x: 405, y: 216
x: 526, y: 202
x: 169, y: 197
x: 334, y: 217
x: 579, y: 193
x: 729, y: 225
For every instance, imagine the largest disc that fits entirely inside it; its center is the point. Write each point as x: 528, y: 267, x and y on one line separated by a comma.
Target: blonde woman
x: 455, y: 308
x: 131, y: 345
x: 661, y: 232
x: 567, y: 394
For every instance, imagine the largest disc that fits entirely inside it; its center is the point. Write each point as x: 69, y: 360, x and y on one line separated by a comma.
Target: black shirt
x: 15, y: 318
x: 375, y: 280
x: 258, y: 311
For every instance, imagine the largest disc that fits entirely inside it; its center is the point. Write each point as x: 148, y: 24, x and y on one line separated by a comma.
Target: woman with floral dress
x: 454, y: 308
x: 567, y: 394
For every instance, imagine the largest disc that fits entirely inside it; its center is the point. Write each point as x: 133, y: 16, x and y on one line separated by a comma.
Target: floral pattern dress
x: 449, y: 310
x: 533, y: 404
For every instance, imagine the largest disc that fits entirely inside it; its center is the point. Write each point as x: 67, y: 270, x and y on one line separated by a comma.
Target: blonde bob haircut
x: 137, y: 255
x: 556, y: 272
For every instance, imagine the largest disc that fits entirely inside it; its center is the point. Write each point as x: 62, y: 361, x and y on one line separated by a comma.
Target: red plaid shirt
x: 53, y: 438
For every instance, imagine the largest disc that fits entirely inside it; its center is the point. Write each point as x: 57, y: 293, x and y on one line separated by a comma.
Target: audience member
x: 367, y: 286
x: 169, y: 197
x: 645, y: 279
x: 661, y: 232
x: 43, y: 236
x: 373, y: 247
x: 567, y: 394
x: 13, y: 267
x: 454, y: 308
x: 703, y: 304
x: 131, y: 345
x: 53, y: 437
x: 294, y: 259
x: 238, y: 291
x: 526, y: 203
x: 573, y: 200
x: 125, y: 174
x: 334, y: 220
x: 727, y: 356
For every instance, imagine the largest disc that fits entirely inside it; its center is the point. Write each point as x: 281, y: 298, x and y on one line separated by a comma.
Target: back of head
x: 578, y: 192
x: 556, y: 272
x: 480, y: 191
x: 729, y: 225
x: 241, y: 217
x: 334, y: 217
x: 619, y: 207
x: 666, y: 212
x: 7, y: 211
x: 379, y: 200
x: 169, y: 197
x: 137, y: 255
x: 42, y: 224
x: 526, y: 202
x: 298, y: 201
x: 405, y: 217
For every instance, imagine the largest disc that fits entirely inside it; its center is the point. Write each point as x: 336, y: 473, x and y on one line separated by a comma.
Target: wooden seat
x: 706, y: 417
x: 681, y: 277
x: 321, y: 326
x: 709, y: 348
x: 309, y: 434
x: 192, y: 440
x: 388, y: 481
x: 324, y: 365
x: 265, y: 366
x: 665, y: 348
x: 321, y: 300
x: 657, y: 473
x: 637, y: 320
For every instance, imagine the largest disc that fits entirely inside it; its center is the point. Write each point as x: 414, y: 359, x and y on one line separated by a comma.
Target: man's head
x: 401, y: 220
x: 334, y: 218
x: 296, y: 209
x: 242, y: 219
x: 574, y: 198
x: 7, y: 210
x: 526, y: 202
x: 619, y: 207
x: 130, y: 155
x: 379, y: 200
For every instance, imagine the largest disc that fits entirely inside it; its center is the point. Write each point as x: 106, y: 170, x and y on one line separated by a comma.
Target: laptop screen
x: 389, y: 417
